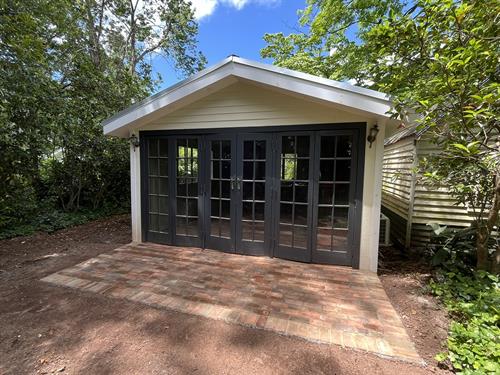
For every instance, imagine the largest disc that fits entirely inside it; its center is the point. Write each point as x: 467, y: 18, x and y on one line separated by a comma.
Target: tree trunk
x: 484, y: 231
x: 133, y: 51
x: 482, y: 247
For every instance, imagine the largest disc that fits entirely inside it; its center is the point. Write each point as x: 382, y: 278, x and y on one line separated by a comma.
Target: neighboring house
x: 254, y: 159
x: 406, y: 200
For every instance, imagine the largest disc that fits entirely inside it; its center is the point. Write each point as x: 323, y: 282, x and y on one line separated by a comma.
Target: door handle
x: 238, y: 183
x: 233, y: 183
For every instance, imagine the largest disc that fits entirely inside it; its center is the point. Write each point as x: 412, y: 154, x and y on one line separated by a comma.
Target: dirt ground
x: 49, y: 329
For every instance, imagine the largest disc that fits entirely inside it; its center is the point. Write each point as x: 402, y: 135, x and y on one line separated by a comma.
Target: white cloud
x: 204, y: 8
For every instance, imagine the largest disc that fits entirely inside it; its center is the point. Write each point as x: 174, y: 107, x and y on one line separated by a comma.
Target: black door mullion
x: 171, y: 185
x: 234, y: 193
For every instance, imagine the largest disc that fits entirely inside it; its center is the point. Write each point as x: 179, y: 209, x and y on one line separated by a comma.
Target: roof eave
x: 371, y: 102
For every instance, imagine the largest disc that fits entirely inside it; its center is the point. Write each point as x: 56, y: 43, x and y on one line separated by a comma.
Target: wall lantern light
x: 372, y: 134
x: 134, y: 141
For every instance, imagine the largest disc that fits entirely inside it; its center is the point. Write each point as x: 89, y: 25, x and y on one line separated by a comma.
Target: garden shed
x: 249, y: 158
x: 406, y: 200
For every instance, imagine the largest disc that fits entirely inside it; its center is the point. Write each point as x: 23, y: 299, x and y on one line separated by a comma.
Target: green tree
x: 66, y: 66
x: 26, y: 91
x: 437, y: 58
x: 331, y: 41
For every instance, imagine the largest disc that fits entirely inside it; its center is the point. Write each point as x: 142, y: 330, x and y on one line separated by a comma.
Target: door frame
x: 359, y: 127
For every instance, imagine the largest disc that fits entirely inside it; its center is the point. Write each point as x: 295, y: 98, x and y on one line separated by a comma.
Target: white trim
x: 135, y: 194
x: 372, y: 200
x: 228, y: 71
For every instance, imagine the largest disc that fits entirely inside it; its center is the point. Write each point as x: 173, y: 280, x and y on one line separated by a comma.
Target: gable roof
x: 232, y: 69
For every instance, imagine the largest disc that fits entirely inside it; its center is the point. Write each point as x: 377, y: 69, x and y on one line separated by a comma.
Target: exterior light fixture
x: 372, y: 134
x: 134, y: 141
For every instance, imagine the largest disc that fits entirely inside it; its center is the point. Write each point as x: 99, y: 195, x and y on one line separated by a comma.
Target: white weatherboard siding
x: 243, y: 105
x: 408, y: 201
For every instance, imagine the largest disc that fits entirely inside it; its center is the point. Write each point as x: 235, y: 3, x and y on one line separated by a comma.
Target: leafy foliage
x: 330, y: 43
x: 473, y: 299
x: 49, y: 220
x: 455, y: 248
x: 439, y: 61
x: 66, y: 66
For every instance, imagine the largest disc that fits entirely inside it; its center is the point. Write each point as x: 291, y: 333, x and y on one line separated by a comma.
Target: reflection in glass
x: 187, y: 186
x: 294, y: 190
x: 288, y: 169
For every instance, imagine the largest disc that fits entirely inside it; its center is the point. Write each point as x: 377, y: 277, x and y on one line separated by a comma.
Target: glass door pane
x: 295, y: 177
x: 187, y: 194
x: 157, y: 226
x: 254, y: 176
x: 334, y: 197
x: 220, y: 184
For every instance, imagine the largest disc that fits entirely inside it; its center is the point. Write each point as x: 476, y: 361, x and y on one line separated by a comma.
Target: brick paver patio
x: 329, y: 304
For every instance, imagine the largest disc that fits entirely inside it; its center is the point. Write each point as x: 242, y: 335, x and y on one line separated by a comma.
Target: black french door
x: 291, y: 194
x: 293, y: 204
x: 254, y: 188
x: 188, y: 191
x: 316, y: 208
x: 236, y: 204
x: 221, y: 193
x: 335, y: 208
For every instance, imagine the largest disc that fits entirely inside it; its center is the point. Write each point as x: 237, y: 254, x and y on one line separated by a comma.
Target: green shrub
x: 50, y: 220
x: 473, y: 300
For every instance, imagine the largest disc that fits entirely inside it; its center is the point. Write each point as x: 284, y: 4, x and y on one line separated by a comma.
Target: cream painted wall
x: 242, y: 105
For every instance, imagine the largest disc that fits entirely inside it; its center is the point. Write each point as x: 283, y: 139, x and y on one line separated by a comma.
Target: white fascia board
x: 166, y: 97
x: 312, y: 89
x: 350, y: 97
x: 312, y: 78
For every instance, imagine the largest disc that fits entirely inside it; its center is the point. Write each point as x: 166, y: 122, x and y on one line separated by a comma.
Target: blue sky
x: 235, y: 27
